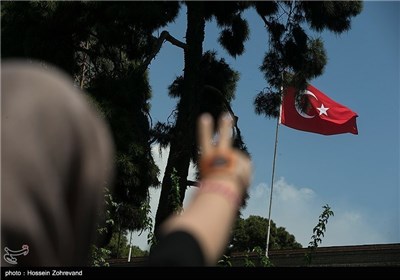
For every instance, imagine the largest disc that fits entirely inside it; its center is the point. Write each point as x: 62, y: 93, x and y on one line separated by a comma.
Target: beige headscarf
x: 56, y: 159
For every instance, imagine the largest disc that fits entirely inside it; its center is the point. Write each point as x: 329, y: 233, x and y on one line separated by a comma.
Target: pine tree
x: 194, y: 90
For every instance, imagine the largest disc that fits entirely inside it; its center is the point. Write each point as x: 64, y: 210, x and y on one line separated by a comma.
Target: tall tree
x: 219, y: 89
x: 182, y: 141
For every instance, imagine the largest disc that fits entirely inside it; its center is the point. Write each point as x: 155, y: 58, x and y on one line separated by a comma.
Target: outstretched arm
x: 225, y: 175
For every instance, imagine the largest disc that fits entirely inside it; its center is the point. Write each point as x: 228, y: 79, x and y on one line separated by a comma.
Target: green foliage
x: 99, y: 256
x: 45, y: 30
x: 291, y: 49
x: 151, y: 238
x: 320, y: 228
x: 59, y: 32
x: 234, y: 29
x: 125, y: 101
x: 225, y: 261
x: 118, y: 246
x: 148, y: 223
x: 318, y: 232
x: 251, y: 233
x: 332, y: 15
x: 259, y: 260
x: 102, y: 45
x: 248, y: 262
x: 217, y: 73
x: 174, y: 195
x: 137, y: 252
x: 221, y: 83
x: 264, y: 260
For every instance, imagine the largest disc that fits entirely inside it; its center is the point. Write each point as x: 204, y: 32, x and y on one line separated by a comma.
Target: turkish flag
x: 321, y: 114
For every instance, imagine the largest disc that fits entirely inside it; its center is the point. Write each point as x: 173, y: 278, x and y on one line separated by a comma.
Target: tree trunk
x: 188, y: 109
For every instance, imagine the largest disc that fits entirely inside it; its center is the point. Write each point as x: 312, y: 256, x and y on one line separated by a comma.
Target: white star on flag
x: 323, y: 110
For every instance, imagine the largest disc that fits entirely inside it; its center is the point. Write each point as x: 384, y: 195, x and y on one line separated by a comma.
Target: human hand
x: 221, y: 160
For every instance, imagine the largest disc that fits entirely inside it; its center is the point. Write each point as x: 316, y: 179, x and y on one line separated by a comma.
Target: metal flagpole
x: 130, y: 248
x: 272, y: 178
x: 272, y: 187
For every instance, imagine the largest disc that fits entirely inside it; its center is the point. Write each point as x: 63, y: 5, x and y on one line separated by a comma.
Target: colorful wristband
x: 224, y: 190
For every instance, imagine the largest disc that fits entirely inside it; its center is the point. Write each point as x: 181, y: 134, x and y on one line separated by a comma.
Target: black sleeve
x: 178, y: 248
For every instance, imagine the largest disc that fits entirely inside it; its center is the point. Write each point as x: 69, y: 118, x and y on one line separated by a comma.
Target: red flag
x: 323, y: 115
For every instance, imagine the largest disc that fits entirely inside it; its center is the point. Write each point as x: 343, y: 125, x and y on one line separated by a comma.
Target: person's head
x: 56, y: 159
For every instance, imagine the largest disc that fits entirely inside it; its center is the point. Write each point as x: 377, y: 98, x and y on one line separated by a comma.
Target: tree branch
x: 175, y: 41
x: 164, y: 36
x: 265, y: 21
x: 192, y: 183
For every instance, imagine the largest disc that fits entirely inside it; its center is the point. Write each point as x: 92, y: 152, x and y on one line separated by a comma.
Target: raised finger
x: 205, y: 132
x: 225, y: 130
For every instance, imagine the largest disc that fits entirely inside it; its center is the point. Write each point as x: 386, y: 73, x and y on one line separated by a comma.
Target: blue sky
x: 357, y: 175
